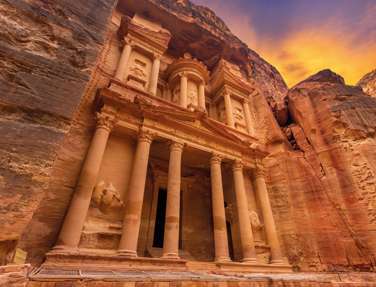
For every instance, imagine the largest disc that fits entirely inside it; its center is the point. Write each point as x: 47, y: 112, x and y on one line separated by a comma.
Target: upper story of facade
x: 149, y: 67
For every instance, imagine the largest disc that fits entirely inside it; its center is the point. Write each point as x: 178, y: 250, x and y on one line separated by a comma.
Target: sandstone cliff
x: 324, y: 191
x: 368, y: 83
x: 47, y: 51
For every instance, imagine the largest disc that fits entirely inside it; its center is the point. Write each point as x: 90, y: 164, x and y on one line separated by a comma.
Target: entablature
x: 174, y: 123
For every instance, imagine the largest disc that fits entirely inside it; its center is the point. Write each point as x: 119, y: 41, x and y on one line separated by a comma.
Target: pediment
x: 196, y: 121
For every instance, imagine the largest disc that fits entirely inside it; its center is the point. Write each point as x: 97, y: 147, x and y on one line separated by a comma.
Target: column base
x: 222, y: 259
x: 127, y: 253
x: 170, y: 256
x: 65, y: 248
x: 249, y: 260
x: 278, y: 261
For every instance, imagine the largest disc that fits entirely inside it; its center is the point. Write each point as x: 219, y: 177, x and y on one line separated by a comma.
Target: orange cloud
x: 309, y: 50
x: 348, y: 48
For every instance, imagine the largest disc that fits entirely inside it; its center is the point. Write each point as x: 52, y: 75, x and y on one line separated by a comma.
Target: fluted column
x: 218, y: 209
x: 183, y: 90
x: 135, y: 197
x: 201, y: 96
x: 124, y: 61
x: 70, y: 232
x: 154, y: 75
x: 246, y: 235
x: 267, y: 214
x: 228, y: 108
x: 171, y: 233
x: 247, y: 114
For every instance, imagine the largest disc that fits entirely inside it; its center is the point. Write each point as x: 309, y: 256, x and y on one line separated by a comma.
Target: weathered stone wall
x: 323, y: 192
x: 47, y: 52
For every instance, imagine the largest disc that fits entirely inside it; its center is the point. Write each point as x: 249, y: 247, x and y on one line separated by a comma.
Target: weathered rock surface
x: 368, y: 83
x: 47, y: 51
x: 325, y: 202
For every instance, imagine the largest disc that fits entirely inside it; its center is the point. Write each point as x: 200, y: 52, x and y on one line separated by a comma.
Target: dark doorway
x: 160, y: 219
x: 229, y: 238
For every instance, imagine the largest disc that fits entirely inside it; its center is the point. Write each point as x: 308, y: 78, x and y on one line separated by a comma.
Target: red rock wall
x: 323, y: 193
x: 47, y: 51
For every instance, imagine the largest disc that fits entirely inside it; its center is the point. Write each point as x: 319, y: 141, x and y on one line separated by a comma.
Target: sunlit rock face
x: 326, y: 200
x: 368, y: 83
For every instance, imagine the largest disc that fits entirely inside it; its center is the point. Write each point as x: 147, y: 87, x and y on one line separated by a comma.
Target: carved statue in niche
x: 257, y: 226
x: 176, y: 94
x: 139, y: 71
x: 229, y: 212
x: 192, y: 97
x: 106, y: 198
x: 237, y: 110
x: 222, y: 112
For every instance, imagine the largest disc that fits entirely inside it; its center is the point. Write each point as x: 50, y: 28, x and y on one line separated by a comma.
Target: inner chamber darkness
x: 160, y: 219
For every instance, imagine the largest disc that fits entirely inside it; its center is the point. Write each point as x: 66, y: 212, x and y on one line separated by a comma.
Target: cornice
x: 159, y: 40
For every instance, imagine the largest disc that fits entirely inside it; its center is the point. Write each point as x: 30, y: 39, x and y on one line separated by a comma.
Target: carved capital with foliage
x: 215, y: 159
x: 237, y: 165
x: 145, y: 136
x: 106, y: 119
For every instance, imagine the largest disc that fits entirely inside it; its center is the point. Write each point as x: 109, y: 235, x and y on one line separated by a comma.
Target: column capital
x: 157, y: 56
x: 145, y: 136
x: 227, y: 94
x: 176, y: 146
x: 106, y: 120
x: 183, y: 74
x: 237, y: 165
x: 260, y: 171
x: 246, y: 101
x: 216, y: 158
x: 127, y: 41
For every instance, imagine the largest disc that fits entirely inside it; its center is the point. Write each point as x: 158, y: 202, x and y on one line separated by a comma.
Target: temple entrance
x: 230, y: 242
x: 160, y: 219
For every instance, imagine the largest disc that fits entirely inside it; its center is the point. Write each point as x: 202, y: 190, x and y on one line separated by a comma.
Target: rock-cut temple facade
x: 171, y: 153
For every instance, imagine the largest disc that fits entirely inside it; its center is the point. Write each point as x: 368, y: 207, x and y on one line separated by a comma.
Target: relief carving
x: 106, y: 197
x: 222, y: 112
x: 255, y: 220
x: 229, y: 213
x: 192, y: 96
x: 139, y: 71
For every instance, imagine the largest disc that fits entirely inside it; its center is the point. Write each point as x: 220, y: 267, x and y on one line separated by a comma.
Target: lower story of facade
x: 163, y: 188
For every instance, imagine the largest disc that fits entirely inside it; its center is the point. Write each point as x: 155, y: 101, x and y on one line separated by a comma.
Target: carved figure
x: 238, y: 114
x: 229, y: 213
x: 106, y: 196
x: 255, y: 220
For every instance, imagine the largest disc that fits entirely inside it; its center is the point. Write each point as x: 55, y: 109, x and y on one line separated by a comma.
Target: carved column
x: 201, y: 96
x: 171, y: 234
x: 122, y: 67
x: 269, y: 224
x: 246, y: 235
x: 135, y: 197
x: 154, y: 75
x: 247, y: 114
x: 218, y: 209
x: 183, y: 90
x: 70, y: 233
x: 228, y: 108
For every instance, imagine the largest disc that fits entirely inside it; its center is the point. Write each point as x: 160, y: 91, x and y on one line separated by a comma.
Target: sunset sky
x: 301, y: 37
